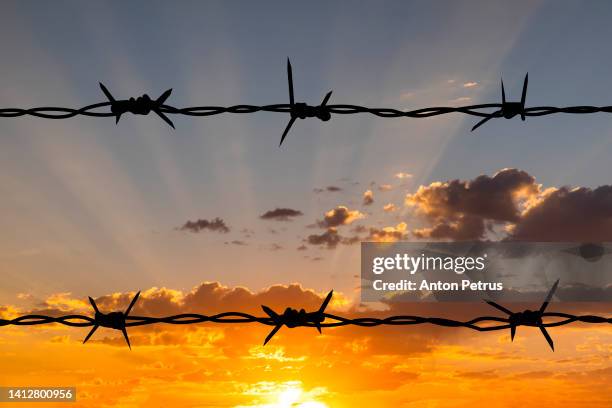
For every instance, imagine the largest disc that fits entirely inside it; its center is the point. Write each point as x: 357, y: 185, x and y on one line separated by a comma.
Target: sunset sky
x: 214, y: 216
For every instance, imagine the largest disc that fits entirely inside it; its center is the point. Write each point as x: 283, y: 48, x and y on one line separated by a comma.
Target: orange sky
x: 226, y: 366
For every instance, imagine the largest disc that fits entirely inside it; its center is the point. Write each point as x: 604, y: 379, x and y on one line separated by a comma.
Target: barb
x: 113, y: 320
x: 291, y: 318
x: 529, y: 317
x: 302, y: 110
x: 508, y: 109
x: 144, y: 105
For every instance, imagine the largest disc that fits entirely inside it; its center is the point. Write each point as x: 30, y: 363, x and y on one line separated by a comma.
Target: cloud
x: 467, y: 210
x: 9, y: 312
x: 236, y: 242
x: 215, y: 297
x: 463, y: 229
x: 338, y: 216
x: 508, y: 205
x: 402, y: 175
x: 281, y: 214
x: 389, y: 234
x: 470, y: 84
x: 567, y: 214
x: 385, y: 187
x: 462, y: 99
x: 63, y: 302
x: 217, y: 225
x: 461, y: 209
x: 247, y: 232
x: 275, y: 247
x: 331, y: 189
x: 24, y: 296
x: 329, y: 238
x: 368, y: 198
x: 389, y: 207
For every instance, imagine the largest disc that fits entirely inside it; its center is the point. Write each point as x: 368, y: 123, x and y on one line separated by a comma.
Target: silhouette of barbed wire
x: 144, y: 105
x: 292, y: 318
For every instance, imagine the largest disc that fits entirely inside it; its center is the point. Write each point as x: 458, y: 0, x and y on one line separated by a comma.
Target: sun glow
x: 288, y: 394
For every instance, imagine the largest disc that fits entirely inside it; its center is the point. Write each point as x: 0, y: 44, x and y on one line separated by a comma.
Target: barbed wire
x: 144, y: 105
x: 292, y: 318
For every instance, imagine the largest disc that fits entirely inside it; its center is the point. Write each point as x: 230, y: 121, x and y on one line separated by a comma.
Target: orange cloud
x: 389, y: 207
x: 368, y: 197
x: 402, y: 175
x: 389, y: 234
x: 339, y: 216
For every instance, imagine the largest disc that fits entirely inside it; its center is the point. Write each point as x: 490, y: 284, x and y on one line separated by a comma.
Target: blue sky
x: 89, y: 206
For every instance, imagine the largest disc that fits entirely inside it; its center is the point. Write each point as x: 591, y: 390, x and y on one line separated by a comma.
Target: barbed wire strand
x: 144, y: 105
x: 319, y: 319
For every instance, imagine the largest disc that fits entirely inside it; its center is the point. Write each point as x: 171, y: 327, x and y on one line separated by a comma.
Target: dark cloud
x: 579, y: 214
x: 359, y: 229
x: 236, y: 242
x: 485, y: 197
x: 330, y: 239
x: 466, y: 210
x: 351, y: 240
x: 463, y: 228
x: 462, y: 210
x: 248, y: 233
x: 217, y: 225
x: 331, y: 189
x: 281, y: 214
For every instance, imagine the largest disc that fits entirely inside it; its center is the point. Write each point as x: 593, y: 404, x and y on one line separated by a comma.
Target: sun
x: 295, y: 397
x: 288, y: 394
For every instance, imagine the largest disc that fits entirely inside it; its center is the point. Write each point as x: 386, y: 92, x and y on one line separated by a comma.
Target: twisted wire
x: 480, y: 110
x: 293, y: 318
x: 144, y: 105
x: 477, y: 323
